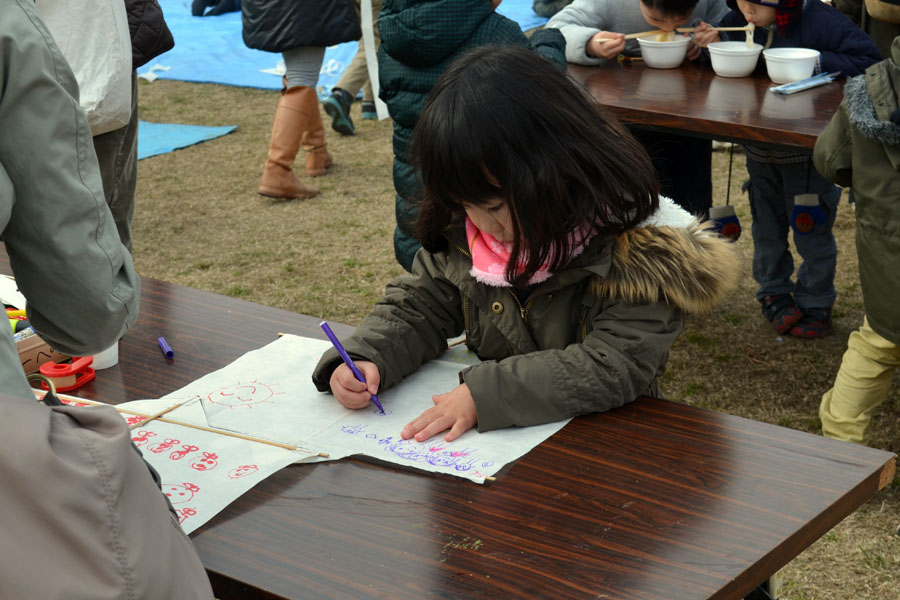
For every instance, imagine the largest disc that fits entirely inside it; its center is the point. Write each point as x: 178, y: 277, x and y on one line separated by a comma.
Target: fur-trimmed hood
x: 671, y: 256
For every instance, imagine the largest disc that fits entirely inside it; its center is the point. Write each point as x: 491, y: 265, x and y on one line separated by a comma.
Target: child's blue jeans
x: 772, y: 190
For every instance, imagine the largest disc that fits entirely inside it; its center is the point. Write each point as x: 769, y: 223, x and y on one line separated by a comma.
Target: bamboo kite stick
x: 191, y: 425
x: 157, y: 415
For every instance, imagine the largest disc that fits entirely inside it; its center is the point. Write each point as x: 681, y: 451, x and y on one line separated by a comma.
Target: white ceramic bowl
x: 663, y: 55
x: 790, y: 64
x: 734, y: 59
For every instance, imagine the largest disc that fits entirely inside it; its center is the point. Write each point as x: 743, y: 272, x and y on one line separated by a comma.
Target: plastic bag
x: 94, y: 37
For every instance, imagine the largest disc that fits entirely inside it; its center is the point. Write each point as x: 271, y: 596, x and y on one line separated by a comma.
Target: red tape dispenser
x: 68, y: 376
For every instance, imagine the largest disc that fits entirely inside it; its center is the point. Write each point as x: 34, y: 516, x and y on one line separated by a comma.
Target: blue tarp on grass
x: 159, y: 138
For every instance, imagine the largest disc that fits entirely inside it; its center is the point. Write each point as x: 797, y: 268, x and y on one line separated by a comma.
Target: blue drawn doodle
x: 378, y: 413
x: 434, y: 453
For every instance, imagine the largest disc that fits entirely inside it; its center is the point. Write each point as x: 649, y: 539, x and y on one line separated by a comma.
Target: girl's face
x: 759, y: 15
x: 655, y: 18
x: 492, y: 217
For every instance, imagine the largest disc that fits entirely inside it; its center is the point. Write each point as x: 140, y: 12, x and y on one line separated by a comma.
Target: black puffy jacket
x: 279, y: 25
x: 150, y: 36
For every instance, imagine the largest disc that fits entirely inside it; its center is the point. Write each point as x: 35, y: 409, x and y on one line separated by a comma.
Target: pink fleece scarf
x: 490, y: 256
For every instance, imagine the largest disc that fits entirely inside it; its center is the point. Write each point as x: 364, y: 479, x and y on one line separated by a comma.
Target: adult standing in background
x: 300, y: 30
x: 115, y: 144
x: 83, y: 518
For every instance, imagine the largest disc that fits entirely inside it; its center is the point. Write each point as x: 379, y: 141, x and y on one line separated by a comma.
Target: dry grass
x: 199, y: 222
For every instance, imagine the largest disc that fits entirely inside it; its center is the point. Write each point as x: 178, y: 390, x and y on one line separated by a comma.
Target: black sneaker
x: 337, y: 105
x: 815, y: 324
x: 368, y: 110
x: 781, y: 311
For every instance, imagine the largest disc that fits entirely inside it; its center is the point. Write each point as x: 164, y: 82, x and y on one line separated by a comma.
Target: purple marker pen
x: 164, y: 346
x: 349, y: 361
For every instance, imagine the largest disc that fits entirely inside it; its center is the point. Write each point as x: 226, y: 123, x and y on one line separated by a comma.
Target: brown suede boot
x: 292, y: 119
x: 317, y: 156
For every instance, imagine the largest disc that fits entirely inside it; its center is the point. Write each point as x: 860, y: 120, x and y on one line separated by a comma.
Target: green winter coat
x: 419, y: 40
x: 860, y: 148
x: 586, y: 340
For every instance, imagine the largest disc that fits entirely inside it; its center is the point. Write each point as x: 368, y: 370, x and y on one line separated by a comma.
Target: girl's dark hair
x: 504, y: 122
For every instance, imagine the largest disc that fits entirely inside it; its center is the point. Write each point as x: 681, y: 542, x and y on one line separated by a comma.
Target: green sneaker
x: 368, y: 110
x: 337, y: 105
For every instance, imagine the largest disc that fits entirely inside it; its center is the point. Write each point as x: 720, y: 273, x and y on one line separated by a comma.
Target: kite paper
x: 202, y: 472
x: 268, y: 393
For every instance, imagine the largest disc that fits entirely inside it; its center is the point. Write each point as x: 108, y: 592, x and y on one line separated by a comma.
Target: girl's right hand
x: 611, y: 47
x: 351, y: 393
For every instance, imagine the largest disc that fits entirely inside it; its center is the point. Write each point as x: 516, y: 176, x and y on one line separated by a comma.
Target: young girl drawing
x: 545, y: 240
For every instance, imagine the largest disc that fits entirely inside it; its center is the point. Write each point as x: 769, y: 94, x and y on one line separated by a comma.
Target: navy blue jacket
x: 844, y: 47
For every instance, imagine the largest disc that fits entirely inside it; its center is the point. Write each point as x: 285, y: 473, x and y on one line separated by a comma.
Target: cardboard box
x: 34, y: 351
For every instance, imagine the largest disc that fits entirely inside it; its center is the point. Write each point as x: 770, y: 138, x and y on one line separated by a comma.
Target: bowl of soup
x: 734, y: 59
x: 663, y: 54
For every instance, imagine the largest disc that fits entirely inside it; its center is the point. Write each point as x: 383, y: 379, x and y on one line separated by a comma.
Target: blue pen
x: 340, y: 348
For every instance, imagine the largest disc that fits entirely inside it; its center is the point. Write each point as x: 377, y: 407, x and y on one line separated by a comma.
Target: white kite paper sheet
x: 268, y: 393
x: 202, y: 472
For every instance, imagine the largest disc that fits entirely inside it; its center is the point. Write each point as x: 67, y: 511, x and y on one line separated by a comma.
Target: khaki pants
x: 861, y: 385
x: 356, y: 75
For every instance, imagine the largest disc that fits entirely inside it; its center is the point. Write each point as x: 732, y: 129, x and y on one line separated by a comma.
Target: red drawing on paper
x: 162, y: 446
x: 142, y: 437
x: 185, y: 513
x: 179, y: 494
x: 134, y: 419
x: 72, y: 402
x: 185, y: 450
x: 242, y: 471
x: 207, y: 462
x: 248, y: 394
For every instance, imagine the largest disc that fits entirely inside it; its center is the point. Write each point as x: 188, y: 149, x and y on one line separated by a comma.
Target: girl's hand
x: 611, y: 47
x: 454, y: 410
x: 351, y: 393
x: 704, y: 35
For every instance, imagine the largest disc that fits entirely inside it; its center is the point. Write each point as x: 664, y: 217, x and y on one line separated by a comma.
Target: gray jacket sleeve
x: 79, y: 280
x: 579, y: 22
x: 83, y: 518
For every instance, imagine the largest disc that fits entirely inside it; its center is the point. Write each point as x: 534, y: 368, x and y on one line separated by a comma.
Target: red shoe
x: 815, y: 324
x: 781, y: 311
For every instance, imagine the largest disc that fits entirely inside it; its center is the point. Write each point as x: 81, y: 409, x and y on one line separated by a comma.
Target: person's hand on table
x: 612, y: 45
x: 351, y: 393
x: 454, y: 410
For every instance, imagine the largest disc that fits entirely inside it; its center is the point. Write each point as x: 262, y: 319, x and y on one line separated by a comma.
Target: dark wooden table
x: 655, y: 500
x: 693, y: 100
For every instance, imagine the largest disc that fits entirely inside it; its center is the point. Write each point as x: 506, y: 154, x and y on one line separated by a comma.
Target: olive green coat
x: 586, y: 340
x: 860, y: 147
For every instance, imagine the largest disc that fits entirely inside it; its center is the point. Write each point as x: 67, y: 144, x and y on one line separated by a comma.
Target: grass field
x: 198, y: 222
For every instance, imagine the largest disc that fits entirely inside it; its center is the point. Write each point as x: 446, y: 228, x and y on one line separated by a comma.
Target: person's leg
x: 773, y: 264
x: 302, y: 66
x: 862, y: 384
x: 337, y: 104
x: 296, y: 117
x: 818, y: 248
x: 117, y: 154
